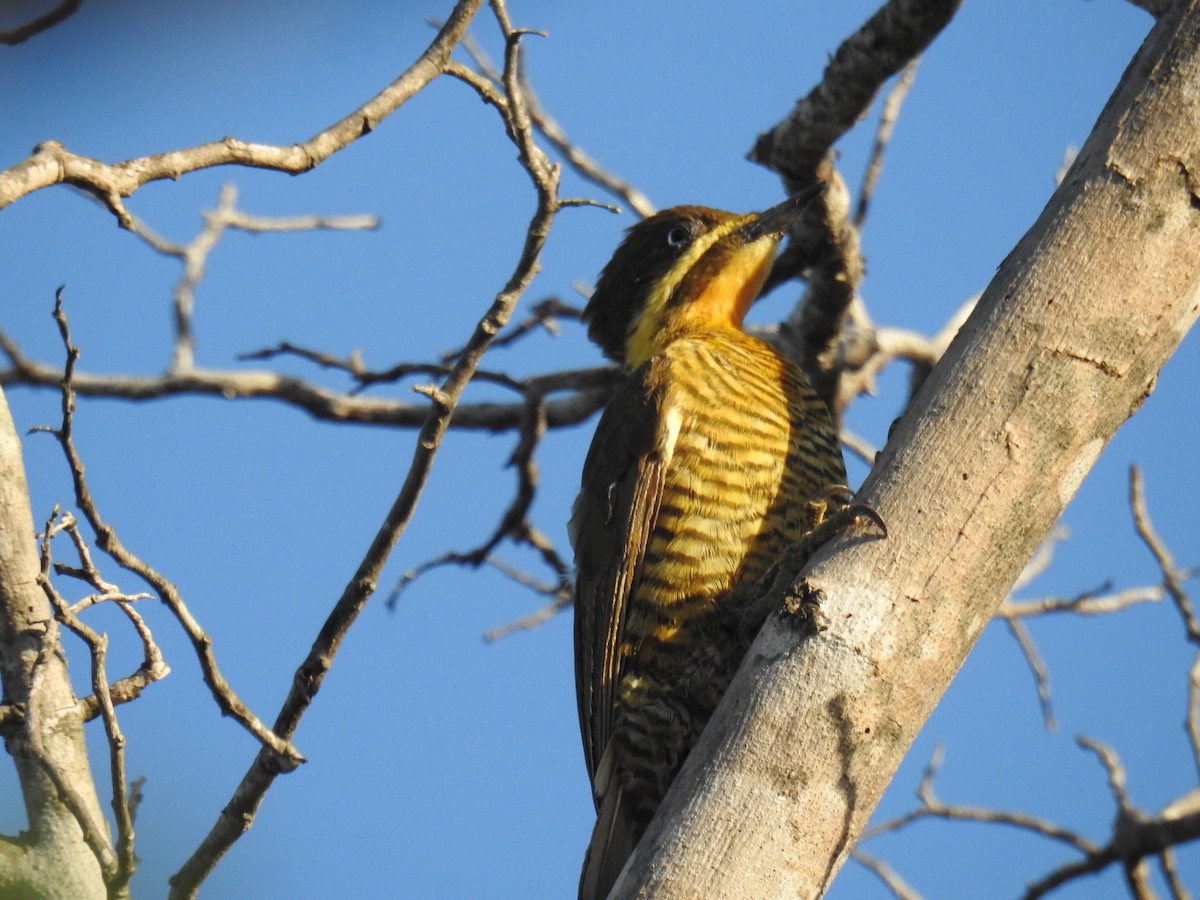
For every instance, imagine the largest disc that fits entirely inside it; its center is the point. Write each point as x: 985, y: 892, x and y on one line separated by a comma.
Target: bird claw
x: 829, y: 519
x: 832, y: 513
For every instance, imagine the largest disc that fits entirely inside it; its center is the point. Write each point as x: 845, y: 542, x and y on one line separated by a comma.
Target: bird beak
x: 778, y: 219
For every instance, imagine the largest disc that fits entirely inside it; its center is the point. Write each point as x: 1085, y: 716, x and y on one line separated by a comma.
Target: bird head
x: 680, y: 269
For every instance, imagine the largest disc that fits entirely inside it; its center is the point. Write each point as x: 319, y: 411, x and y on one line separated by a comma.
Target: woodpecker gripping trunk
x: 698, y: 479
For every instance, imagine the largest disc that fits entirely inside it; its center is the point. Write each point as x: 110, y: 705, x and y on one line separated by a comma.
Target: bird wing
x: 610, y: 528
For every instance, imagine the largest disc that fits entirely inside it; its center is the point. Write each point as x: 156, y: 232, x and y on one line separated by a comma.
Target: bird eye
x: 679, y: 236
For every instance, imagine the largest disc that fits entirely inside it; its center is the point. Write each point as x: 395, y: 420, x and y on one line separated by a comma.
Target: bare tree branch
x: 563, y: 594
x: 1136, y: 836
x: 1173, y: 577
x: 883, y: 136
x: 889, y: 876
x: 95, y: 830
x: 194, y: 256
x: 546, y: 125
x: 116, y: 871
x: 1155, y: 7
x: 1037, y: 666
x: 590, y: 390
x: 932, y: 807
x: 514, y: 522
x: 897, y: 33
x: 41, y: 722
x: 825, y: 240
x: 544, y: 315
x: 106, y: 538
x: 153, y: 667
x: 239, y: 812
x: 52, y: 163
x: 975, y: 473
x: 1089, y: 603
x: 44, y: 22
x: 1172, y: 582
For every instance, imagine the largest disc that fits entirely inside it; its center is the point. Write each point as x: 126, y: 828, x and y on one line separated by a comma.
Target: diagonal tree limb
x: 824, y: 242
x: 1063, y: 347
x: 43, y: 722
x: 898, y: 32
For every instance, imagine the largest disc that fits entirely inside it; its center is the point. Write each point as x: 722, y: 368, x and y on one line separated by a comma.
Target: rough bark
x: 50, y: 860
x: 1063, y: 347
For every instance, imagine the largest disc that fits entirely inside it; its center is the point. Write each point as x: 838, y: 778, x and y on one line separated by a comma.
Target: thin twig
x: 544, y: 315
x: 44, y: 22
x: 107, y: 540
x: 883, y: 136
x: 514, y: 525
x: 1172, y: 582
x: 242, y: 806
x: 1172, y: 577
x: 1096, y: 602
x: 885, y: 873
x: 1112, y: 768
x: 562, y: 593
x: 1166, y: 865
x: 52, y: 163
x: 118, y: 872
x: 1037, y: 666
x: 354, y: 366
x: 576, y: 157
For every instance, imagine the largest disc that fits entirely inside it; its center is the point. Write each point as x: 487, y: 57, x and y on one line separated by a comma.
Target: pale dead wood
x: 41, y: 722
x: 116, y: 869
x: 976, y: 472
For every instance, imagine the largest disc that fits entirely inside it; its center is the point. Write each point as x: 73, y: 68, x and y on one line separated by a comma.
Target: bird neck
x: 718, y: 301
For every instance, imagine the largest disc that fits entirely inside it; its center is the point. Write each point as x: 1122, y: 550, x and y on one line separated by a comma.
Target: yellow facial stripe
x: 644, y: 343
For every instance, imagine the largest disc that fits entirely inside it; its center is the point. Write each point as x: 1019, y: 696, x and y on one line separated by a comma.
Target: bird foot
x: 830, y: 518
x: 830, y: 513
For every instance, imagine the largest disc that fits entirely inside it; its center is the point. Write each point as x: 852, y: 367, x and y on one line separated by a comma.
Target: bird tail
x: 612, y: 844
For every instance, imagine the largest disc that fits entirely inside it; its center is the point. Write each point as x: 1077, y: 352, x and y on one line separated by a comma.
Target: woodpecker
x: 709, y: 462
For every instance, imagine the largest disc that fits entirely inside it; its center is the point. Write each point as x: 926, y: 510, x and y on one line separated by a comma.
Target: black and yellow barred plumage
x: 699, y: 477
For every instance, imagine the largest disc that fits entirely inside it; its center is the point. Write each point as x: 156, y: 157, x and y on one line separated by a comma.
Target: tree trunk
x: 51, y: 860
x: 1064, y: 346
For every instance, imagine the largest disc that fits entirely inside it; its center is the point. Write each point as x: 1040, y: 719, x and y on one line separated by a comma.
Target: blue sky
x: 442, y: 766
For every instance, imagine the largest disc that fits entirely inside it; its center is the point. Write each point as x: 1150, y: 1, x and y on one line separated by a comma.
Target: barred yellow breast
x: 753, y: 446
